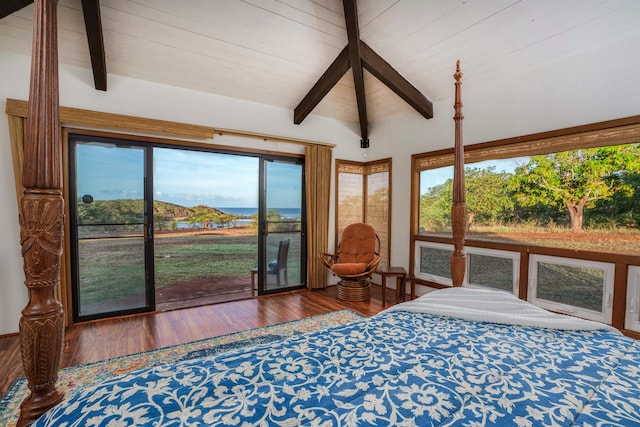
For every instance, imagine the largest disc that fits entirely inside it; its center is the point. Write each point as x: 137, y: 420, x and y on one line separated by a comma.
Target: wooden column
x: 459, y: 207
x: 41, y: 221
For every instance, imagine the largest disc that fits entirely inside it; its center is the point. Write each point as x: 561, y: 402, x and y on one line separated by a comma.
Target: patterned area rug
x: 76, y: 378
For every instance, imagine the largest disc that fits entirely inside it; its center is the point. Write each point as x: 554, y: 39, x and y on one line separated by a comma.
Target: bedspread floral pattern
x: 397, y: 368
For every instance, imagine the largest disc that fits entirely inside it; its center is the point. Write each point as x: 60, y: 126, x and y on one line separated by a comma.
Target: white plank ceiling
x: 273, y: 51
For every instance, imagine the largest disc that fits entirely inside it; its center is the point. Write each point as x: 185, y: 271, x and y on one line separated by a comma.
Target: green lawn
x: 112, y: 270
x: 183, y: 258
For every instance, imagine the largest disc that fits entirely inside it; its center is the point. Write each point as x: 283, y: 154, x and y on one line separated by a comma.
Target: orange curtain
x: 318, y: 182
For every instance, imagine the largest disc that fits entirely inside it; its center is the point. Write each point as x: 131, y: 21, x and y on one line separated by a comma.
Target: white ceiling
x: 273, y: 51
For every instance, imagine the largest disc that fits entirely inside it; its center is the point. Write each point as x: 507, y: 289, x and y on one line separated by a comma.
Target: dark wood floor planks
x: 104, y: 339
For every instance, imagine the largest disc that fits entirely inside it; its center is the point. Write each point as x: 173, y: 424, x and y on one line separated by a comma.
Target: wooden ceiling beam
x: 358, y: 55
x: 353, y: 36
x: 7, y: 7
x: 384, y: 72
x: 93, y: 25
x: 328, y: 80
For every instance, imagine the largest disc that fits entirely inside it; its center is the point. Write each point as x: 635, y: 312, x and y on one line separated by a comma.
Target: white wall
x: 595, y: 86
x: 139, y: 98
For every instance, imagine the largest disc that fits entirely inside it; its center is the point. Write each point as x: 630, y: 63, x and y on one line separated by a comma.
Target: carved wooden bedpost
x: 41, y: 221
x: 459, y: 207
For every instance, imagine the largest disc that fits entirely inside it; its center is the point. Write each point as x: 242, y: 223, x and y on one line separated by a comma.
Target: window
x: 591, y: 233
x: 632, y: 321
x: 578, y: 287
x: 363, y: 194
x: 583, y: 207
x: 493, y: 269
x: 485, y: 267
x: 433, y: 262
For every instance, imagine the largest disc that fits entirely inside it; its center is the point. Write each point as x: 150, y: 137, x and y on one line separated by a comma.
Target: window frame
x: 496, y: 253
x: 469, y: 250
x: 632, y: 318
x: 612, y: 132
x: 444, y: 281
x: 605, y: 316
x: 366, y: 169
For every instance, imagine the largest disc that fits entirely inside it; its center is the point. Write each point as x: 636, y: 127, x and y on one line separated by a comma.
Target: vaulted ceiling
x: 281, y: 52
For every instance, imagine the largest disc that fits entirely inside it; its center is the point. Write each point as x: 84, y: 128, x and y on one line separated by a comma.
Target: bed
x: 465, y: 357
x: 458, y: 356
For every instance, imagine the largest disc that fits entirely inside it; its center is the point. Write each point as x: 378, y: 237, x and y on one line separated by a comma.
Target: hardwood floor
x: 104, y: 339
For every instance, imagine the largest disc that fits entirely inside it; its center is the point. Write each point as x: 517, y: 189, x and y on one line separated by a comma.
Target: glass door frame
x: 149, y: 286
x: 263, y: 228
x: 148, y: 144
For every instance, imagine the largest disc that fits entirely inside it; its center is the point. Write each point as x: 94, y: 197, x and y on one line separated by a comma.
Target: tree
x: 576, y: 179
x: 622, y: 210
x: 487, y: 195
x: 435, y: 207
x: 487, y: 199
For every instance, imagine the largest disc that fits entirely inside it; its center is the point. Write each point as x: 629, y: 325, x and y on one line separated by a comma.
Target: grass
x: 491, y: 271
x: 184, y: 258
x: 571, y: 285
x: 112, y: 270
x: 619, y: 241
x: 118, y: 278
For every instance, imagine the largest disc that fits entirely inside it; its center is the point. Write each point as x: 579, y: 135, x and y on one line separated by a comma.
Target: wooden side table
x: 400, y: 274
x: 412, y: 281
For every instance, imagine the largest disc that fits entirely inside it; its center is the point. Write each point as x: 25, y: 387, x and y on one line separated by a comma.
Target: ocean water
x: 247, y: 212
x: 285, y: 213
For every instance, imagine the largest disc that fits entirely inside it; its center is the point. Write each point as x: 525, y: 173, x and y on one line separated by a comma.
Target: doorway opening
x: 158, y: 227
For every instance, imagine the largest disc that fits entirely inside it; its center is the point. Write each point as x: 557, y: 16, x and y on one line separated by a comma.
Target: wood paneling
x: 273, y: 51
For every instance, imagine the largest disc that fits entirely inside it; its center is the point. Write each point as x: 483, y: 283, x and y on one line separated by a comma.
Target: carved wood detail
x: 459, y: 207
x: 42, y: 222
x: 458, y: 257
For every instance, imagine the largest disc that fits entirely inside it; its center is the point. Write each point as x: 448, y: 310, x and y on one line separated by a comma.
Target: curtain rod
x: 77, y: 116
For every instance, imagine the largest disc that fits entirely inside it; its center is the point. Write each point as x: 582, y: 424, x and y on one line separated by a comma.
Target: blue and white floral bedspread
x: 398, y: 368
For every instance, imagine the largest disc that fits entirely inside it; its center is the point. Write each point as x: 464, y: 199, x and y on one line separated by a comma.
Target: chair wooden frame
x: 329, y: 259
x: 356, y: 263
x: 354, y: 286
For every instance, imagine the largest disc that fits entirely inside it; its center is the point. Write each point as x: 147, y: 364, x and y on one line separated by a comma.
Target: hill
x: 126, y: 211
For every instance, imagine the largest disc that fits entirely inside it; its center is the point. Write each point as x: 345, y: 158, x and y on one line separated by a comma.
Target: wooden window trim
x: 601, y: 134
x: 76, y: 117
x: 607, y: 133
x: 364, y: 169
x: 611, y: 132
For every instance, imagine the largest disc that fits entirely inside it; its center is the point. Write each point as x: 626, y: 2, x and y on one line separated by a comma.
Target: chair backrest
x: 283, y: 254
x: 358, y: 244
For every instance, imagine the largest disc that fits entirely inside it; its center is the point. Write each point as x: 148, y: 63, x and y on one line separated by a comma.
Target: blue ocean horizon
x: 247, y: 212
x: 285, y: 213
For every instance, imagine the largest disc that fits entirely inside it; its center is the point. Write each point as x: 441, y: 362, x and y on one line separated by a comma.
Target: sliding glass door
x: 205, y: 227
x: 160, y: 227
x: 110, y: 229
x: 283, y: 244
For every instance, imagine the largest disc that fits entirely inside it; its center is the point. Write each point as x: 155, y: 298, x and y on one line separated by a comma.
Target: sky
x: 190, y: 178
x: 186, y: 178
x: 433, y: 177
